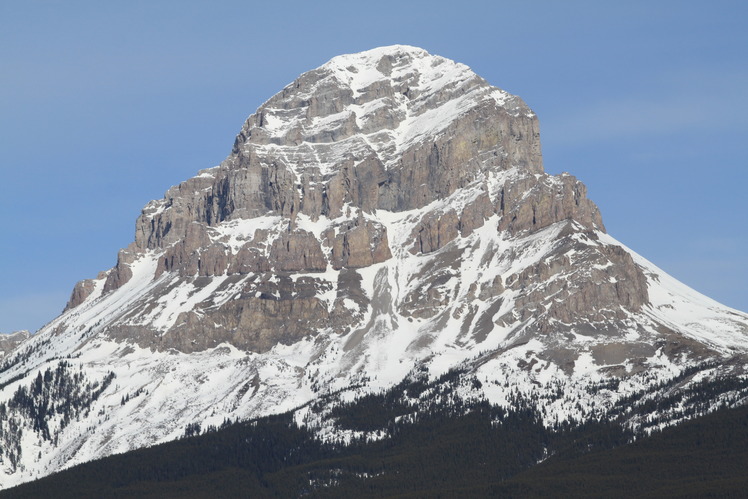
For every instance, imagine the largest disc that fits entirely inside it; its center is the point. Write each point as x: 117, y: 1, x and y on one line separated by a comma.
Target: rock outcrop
x: 393, y: 131
x: 385, y: 217
x: 9, y: 342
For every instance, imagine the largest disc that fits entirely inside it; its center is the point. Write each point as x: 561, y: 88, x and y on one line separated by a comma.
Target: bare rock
x: 486, y: 136
x: 338, y: 153
x: 121, y: 273
x: 249, y: 259
x: 81, y: 291
x: 601, y: 284
x: 434, y: 232
x: 492, y: 290
x: 532, y: 203
x: 357, y: 185
x: 297, y: 251
x: 475, y: 214
x: 360, y: 244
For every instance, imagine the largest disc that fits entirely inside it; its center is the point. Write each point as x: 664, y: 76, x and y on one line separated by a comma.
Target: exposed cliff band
x: 393, y: 130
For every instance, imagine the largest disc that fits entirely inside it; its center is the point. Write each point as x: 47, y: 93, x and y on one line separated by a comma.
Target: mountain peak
x: 373, y: 56
x: 384, y: 214
x: 395, y: 62
x: 383, y: 102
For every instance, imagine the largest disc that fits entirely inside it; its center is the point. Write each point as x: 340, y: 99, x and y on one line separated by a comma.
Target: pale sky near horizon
x: 105, y: 105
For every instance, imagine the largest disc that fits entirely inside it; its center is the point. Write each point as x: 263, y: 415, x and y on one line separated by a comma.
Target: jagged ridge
x: 384, y: 213
x: 392, y: 129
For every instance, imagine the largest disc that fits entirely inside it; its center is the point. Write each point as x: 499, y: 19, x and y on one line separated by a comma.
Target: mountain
x: 384, y: 219
x: 8, y: 342
x: 471, y: 457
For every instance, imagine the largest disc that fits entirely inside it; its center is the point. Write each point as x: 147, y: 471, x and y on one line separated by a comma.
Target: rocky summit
x: 384, y: 216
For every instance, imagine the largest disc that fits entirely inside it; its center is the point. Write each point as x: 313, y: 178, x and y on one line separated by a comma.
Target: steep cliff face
x: 389, y: 129
x: 392, y: 130
x: 384, y: 214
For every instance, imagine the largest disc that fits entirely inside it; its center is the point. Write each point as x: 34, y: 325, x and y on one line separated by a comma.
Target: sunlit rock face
x: 315, y: 181
x: 384, y: 214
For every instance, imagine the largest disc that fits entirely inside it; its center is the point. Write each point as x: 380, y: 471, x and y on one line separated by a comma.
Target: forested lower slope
x: 707, y: 457
x: 453, y: 450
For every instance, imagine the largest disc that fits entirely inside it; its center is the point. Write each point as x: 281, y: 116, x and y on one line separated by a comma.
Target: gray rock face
x: 9, y: 342
x: 81, y: 291
x: 532, y: 204
x: 359, y: 243
x: 297, y: 251
x: 393, y: 131
x: 384, y: 216
x: 319, y: 145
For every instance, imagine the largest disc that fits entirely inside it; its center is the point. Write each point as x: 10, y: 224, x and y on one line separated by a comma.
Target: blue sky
x: 105, y: 105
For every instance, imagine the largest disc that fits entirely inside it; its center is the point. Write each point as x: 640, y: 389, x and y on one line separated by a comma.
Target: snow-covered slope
x: 385, y: 214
